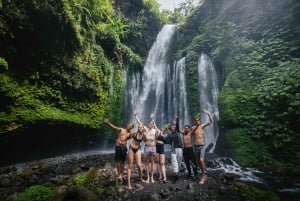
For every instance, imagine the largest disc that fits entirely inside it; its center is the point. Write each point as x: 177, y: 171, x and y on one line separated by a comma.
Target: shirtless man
x: 188, y: 150
x: 151, y: 133
x: 121, y: 145
x: 200, y: 143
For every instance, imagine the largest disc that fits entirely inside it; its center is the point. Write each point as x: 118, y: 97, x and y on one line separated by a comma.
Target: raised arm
x: 177, y: 124
x: 209, y: 116
x: 137, y: 118
x: 152, y: 117
x: 106, y: 120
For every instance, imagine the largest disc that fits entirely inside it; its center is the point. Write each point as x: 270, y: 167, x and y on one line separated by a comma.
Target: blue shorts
x: 199, y: 151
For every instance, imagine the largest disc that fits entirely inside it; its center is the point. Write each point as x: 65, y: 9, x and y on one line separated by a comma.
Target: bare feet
x: 152, y: 180
x: 129, y: 187
x: 203, y: 180
x: 144, y: 181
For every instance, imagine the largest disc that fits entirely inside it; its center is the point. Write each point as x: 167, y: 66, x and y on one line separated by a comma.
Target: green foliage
x: 253, y: 51
x: 3, y: 64
x: 78, y: 13
x: 253, y: 194
x: 86, y: 178
x: 246, y: 149
x: 76, y: 74
x: 153, y: 5
x: 278, y: 101
x: 45, y: 103
x: 113, y: 30
x: 192, y: 73
x: 35, y: 193
x: 116, y: 102
x: 80, y: 179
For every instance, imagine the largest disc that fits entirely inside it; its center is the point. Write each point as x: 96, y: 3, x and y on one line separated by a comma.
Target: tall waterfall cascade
x: 161, y: 89
x: 208, y: 99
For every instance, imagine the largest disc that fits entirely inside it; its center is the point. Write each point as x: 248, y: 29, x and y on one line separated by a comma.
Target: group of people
x: 187, y: 144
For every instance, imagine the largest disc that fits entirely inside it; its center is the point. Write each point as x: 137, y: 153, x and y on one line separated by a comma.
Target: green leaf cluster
x: 3, y: 64
x: 253, y: 49
x: 35, y: 193
x: 248, y: 151
x: 70, y: 69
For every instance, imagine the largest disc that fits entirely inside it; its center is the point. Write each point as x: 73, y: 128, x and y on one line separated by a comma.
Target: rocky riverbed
x: 64, y: 176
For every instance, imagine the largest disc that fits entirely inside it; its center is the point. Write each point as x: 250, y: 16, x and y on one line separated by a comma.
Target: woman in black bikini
x: 160, y: 153
x: 135, y: 150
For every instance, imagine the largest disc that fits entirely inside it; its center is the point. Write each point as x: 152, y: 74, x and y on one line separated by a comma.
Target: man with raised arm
x: 199, y: 142
x: 150, y: 138
x: 188, y: 150
x: 121, y: 145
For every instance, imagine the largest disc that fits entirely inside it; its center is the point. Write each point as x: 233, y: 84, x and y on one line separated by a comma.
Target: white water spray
x: 208, y: 92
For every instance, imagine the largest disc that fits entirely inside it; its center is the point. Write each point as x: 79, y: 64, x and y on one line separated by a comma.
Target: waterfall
x: 147, y: 91
x: 208, y: 92
x: 177, y: 98
x: 161, y: 89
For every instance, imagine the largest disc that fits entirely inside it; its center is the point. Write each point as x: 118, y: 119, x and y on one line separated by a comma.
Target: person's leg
x: 202, y: 166
x: 179, y: 157
x: 119, y: 169
x: 153, y: 167
x: 138, y: 158
x: 118, y: 160
x: 123, y: 158
x: 175, y: 167
x: 187, y: 160
x: 147, y: 161
x: 174, y: 163
x: 194, y: 162
x: 130, y: 164
x: 122, y: 165
x: 162, y: 160
x: 157, y: 159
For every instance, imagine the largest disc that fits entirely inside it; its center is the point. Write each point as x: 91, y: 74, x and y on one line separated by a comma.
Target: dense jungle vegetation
x: 62, y: 62
x: 255, y: 47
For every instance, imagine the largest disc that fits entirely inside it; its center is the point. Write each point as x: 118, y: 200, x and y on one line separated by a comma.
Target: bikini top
x: 136, y: 139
